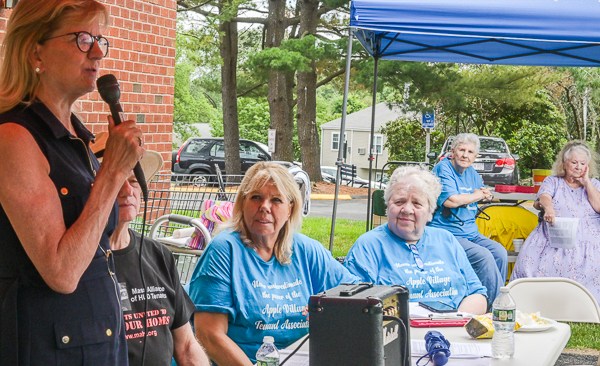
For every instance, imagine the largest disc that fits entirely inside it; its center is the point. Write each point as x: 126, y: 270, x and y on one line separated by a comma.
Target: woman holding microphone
x: 58, y: 291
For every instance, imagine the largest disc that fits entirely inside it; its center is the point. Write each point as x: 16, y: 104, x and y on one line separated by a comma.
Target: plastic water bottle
x: 267, y: 354
x: 504, y: 315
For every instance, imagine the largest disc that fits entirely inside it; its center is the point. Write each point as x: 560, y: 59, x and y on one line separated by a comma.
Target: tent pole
x: 340, y: 159
x: 371, y: 142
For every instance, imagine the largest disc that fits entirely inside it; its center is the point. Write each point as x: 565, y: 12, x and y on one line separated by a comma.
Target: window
x: 218, y: 150
x: 196, y: 146
x: 249, y: 151
x: 377, y: 144
x: 335, y: 140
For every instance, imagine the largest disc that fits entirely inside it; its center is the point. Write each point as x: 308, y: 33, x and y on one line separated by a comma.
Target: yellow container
x: 538, y: 177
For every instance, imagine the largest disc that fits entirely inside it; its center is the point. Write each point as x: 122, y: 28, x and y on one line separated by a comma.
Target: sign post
x: 428, y: 123
x: 271, y: 142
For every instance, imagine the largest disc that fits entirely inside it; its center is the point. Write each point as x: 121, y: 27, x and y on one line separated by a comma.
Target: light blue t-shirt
x: 381, y: 257
x: 263, y: 298
x: 453, y: 184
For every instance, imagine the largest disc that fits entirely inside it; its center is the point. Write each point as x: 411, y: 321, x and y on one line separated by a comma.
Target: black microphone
x: 108, y: 87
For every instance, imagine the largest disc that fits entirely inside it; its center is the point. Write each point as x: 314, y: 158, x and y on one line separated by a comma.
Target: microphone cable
x: 140, y: 263
x: 294, y: 351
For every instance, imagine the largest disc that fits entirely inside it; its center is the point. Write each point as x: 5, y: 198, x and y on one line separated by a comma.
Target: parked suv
x: 495, y: 163
x: 199, y: 155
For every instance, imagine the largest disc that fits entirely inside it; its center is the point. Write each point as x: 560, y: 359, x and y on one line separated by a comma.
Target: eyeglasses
x: 85, y: 41
x: 418, y: 260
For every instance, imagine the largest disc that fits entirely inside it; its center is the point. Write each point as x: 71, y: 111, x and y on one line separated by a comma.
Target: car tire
x: 200, y: 179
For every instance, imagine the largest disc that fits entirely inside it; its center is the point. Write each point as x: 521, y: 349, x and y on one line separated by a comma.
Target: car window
x: 218, y: 150
x: 495, y: 146
x: 249, y: 151
x: 195, y: 146
x: 264, y: 147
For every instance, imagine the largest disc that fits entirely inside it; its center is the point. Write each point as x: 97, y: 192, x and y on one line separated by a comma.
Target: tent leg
x: 369, y: 218
x: 340, y: 159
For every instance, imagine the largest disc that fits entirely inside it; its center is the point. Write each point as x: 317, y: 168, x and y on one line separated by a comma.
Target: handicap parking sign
x: 428, y: 119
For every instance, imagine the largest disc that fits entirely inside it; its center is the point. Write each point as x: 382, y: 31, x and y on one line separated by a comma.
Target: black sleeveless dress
x: 38, y: 325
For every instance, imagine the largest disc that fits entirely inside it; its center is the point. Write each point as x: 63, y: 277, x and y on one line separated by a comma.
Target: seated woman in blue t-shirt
x: 429, y: 261
x: 255, y: 279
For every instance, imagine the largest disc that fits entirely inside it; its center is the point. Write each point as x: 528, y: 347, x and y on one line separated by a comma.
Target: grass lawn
x: 346, y: 232
x: 583, y: 335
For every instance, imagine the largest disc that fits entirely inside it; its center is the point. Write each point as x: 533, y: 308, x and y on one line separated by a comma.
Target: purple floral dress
x: 582, y: 263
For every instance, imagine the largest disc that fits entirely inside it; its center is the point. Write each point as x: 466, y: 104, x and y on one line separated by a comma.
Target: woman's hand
x: 584, y: 179
x: 124, y: 147
x: 550, y: 216
x: 486, y: 193
x: 544, y: 201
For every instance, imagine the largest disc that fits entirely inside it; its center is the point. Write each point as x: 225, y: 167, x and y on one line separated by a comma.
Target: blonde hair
x: 259, y: 175
x: 29, y: 24
x: 577, y: 145
x: 429, y: 184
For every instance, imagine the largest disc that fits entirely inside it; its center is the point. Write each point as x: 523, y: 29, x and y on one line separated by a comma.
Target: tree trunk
x: 229, y: 53
x: 280, y: 95
x: 306, y: 92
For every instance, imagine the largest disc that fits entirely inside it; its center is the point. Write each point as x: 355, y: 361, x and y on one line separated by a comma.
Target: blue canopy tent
x: 501, y: 32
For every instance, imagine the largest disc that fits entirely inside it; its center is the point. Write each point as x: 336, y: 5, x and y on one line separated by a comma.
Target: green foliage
x: 406, y: 140
x: 330, y: 101
x: 283, y: 59
x: 190, y: 106
x: 537, y: 145
x: 253, y: 118
x: 354, y: 104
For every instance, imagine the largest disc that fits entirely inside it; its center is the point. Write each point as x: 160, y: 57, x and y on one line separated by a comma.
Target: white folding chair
x: 555, y: 298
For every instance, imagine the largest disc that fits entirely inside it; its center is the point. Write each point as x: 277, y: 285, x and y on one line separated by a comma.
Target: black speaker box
x: 363, y: 325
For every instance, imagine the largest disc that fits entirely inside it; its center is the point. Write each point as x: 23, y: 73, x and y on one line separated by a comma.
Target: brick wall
x: 142, y: 57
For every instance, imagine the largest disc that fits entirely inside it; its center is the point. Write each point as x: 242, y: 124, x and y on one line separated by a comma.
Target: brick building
x: 142, y: 57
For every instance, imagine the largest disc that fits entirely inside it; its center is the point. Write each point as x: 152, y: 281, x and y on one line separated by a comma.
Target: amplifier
x: 363, y: 325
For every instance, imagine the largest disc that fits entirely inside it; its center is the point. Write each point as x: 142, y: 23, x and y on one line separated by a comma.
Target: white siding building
x: 358, y: 133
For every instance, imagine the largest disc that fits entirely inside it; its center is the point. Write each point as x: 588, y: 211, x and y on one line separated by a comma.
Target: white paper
x: 183, y: 233
x: 300, y: 358
x: 457, y: 350
x: 471, y: 354
x: 176, y: 242
x: 564, y: 232
x: 459, y: 362
x: 419, y: 312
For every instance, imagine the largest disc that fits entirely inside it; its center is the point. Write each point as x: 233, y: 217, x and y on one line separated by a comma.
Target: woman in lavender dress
x: 570, y: 193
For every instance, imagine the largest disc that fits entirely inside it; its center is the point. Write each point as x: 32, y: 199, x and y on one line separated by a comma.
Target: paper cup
x: 517, y: 243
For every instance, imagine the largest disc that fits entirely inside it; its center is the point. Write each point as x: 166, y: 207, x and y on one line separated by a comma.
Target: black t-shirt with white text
x: 169, y: 307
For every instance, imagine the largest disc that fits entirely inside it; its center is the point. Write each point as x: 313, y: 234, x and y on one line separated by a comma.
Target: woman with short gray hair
x: 466, y: 138
x: 462, y: 188
x: 570, y: 193
x: 429, y: 184
x: 406, y: 251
